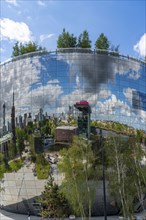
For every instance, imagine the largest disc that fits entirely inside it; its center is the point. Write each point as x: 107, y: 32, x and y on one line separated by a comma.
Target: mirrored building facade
x: 48, y: 83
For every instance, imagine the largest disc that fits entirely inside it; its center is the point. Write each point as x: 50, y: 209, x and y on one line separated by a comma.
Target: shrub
x: 15, y: 165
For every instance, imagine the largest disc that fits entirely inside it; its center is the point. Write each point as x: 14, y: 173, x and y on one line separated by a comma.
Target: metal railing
x: 75, y: 50
x: 6, y: 138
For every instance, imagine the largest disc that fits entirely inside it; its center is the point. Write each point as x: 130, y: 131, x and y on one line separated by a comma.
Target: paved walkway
x: 12, y: 216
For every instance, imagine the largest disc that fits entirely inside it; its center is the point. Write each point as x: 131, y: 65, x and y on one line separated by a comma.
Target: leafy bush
x: 42, y: 171
x: 15, y: 165
x: 41, y: 159
x: 33, y: 158
x: 42, y: 167
x: 2, y: 170
x: 53, y: 201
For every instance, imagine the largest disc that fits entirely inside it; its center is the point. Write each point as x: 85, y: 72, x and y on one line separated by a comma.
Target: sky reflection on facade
x: 115, y: 86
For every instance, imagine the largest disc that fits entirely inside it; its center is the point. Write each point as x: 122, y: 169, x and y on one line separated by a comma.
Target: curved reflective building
x: 48, y: 84
x: 114, y: 85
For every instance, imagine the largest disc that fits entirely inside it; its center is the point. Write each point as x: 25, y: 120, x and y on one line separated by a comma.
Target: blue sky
x: 123, y: 22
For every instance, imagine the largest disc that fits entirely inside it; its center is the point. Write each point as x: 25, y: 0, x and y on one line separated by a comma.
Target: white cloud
x: 104, y: 94
x: 27, y: 96
x: 137, y: 113
x: 11, y: 30
x: 134, y: 75
x: 140, y: 47
x: 112, y: 105
x: 2, y: 50
x: 12, y: 2
x: 31, y: 93
x: 128, y: 93
x: 142, y: 115
x: 77, y: 81
x: 41, y: 2
x: 53, y: 81
x: 45, y: 36
x: 29, y: 17
x: 92, y: 71
x: 78, y: 94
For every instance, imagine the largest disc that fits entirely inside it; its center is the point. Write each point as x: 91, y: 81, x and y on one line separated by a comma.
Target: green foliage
x: 46, y: 129
x: 139, y: 135
x: 42, y: 171
x: 33, y: 157
x: 1, y: 158
x: 66, y: 40
x: 2, y: 170
x: 20, y: 49
x: 54, y: 204
x: 116, y: 127
x: 97, y: 161
x: 102, y: 42
x: 41, y: 160
x: 20, y: 135
x: 42, y: 167
x: 126, y: 175
x: 11, y: 150
x: 15, y: 165
x: 115, y: 48
x: 83, y: 40
x: 76, y: 166
x: 52, y: 124
x: 16, y: 50
x: 31, y: 143
x: 30, y: 128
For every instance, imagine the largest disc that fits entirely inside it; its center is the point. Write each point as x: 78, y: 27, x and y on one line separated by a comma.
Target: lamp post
x: 103, y: 174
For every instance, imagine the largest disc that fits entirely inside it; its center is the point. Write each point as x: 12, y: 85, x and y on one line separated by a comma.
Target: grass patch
x: 2, y: 170
x: 15, y: 165
x: 42, y: 171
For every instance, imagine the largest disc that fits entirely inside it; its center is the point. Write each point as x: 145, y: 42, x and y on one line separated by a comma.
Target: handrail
x: 6, y: 138
x: 75, y: 50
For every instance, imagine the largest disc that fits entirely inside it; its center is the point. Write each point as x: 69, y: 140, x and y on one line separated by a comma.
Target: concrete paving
x: 11, y: 216
x: 4, y: 215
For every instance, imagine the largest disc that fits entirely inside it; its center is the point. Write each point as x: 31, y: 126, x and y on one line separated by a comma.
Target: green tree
x: 52, y: 124
x: 126, y: 175
x: 16, y: 50
x: 73, y: 41
x: 1, y: 158
x: 20, y: 135
x: 115, y: 48
x: 12, y: 151
x: 102, y: 42
x: 20, y: 49
x: 76, y: 166
x: 83, y: 40
x: 139, y: 135
x: 66, y: 40
x: 54, y: 204
x: 30, y: 127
